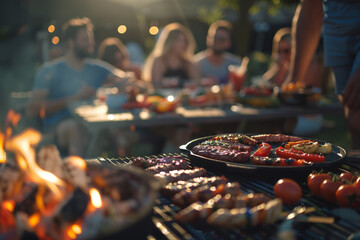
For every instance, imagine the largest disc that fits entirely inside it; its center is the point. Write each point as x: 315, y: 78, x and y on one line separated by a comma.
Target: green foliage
x: 209, y: 16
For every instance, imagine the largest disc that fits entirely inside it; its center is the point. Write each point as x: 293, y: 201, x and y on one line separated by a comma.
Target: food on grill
x: 266, y: 213
x: 271, y: 138
x: 242, y: 138
x: 182, y: 174
x: 280, y: 162
x: 204, y: 193
x: 221, y: 153
x: 145, y: 163
x: 297, y: 154
x: 166, y: 167
x: 173, y: 188
x: 263, y: 151
x: 288, y: 191
x: 324, y: 149
x: 202, y: 210
x: 227, y: 144
x: 307, y: 147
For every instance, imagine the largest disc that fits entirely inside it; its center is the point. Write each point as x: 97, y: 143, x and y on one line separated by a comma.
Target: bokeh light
x: 55, y: 40
x: 122, y: 29
x: 51, y: 28
x: 153, y: 30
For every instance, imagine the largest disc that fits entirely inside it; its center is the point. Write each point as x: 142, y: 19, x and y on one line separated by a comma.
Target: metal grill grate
x: 165, y: 227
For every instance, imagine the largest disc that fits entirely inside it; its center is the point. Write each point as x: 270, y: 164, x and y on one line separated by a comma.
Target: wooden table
x: 95, y: 116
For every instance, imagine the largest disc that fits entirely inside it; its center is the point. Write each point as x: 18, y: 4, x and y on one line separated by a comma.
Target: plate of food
x: 263, y: 153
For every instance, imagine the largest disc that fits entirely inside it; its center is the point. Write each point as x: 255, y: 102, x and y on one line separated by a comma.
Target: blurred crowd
x: 74, y: 75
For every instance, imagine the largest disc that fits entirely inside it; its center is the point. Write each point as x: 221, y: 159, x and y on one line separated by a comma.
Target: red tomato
x: 348, y: 177
x: 328, y: 189
x: 288, y: 191
x: 346, y: 196
x: 357, y: 186
x: 315, y: 180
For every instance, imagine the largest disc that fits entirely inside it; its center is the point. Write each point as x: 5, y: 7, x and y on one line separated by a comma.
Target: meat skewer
x: 200, y: 210
x: 166, y: 167
x: 182, y: 174
x: 175, y: 187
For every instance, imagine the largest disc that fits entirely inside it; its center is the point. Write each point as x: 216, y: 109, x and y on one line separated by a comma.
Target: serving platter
x: 332, y: 160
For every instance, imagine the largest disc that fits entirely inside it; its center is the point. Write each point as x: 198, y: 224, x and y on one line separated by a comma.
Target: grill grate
x: 165, y: 227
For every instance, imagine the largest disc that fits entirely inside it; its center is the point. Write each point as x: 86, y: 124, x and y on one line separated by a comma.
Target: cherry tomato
x: 288, y: 191
x: 315, y: 180
x: 328, y: 189
x: 346, y: 196
x: 357, y: 186
x: 348, y: 177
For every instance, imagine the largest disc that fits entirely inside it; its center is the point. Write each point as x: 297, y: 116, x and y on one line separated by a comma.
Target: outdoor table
x: 96, y: 117
x: 347, y: 221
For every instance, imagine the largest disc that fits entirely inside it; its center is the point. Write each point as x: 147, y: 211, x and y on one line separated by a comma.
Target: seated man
x: 215, y: 60
x: 70, y: 78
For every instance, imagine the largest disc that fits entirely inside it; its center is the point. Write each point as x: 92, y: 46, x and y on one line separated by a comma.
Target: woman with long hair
x: 170, y: 65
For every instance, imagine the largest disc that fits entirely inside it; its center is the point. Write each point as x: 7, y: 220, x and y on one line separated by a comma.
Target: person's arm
x: 351, y: 96
x: 157, y: 72
x: 38, y: 103
x: 306, y: 31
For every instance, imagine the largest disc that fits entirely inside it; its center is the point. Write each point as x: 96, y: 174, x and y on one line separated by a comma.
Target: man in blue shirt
x: 340, y: 20
x: 73, y: 77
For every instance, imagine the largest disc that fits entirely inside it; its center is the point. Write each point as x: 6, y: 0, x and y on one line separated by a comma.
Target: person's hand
x: 351, y: 96
x: 85, y: 92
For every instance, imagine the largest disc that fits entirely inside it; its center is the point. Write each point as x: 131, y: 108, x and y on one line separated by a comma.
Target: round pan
x: 332, y: 160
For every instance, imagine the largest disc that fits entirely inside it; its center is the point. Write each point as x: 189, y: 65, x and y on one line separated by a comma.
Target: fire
x: 78, y: 162
x: 34, y: 219
x: 95, y: 198
x: 73, y: 231
x: 2, y: 151
x: 8, y: 205
x: 22, y: 146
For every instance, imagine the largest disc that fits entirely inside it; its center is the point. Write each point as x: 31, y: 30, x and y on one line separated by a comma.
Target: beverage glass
x: 237, y: 76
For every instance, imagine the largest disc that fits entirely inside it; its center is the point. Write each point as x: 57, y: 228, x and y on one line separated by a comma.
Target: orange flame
x: 77, y: 162
x: 95, y: 198
x: 22, y: 146
x: 8, y: 205
x: 76, y: 229
x: 34, y: 220
x: 2, y: 151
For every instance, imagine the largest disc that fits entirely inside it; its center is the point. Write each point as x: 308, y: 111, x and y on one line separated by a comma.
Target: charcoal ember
x: 72, y: 173
x: 48, y: 158
x: 11, y: 180
x: 26, y: 202
x: 74, y: 207
x: 23, y: 229
x: 92, y: 224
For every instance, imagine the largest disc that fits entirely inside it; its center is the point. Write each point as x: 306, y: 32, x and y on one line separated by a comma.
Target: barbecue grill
x: 165, y: 227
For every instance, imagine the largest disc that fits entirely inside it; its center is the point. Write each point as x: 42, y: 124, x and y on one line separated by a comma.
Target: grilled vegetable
x: 307, y: 147
x: 324, y: 149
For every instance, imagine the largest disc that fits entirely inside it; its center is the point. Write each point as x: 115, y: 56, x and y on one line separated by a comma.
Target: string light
x: 51, y: 28
x: 55, y: 40
x: 122, y: 29
x: 153, y: 30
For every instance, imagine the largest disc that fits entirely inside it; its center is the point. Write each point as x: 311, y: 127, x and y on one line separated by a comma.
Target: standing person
x: 215, y: 60
x: 170, y: 63
x: 113, y: 51
x: 70, y: 78
x: 340, y: 21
